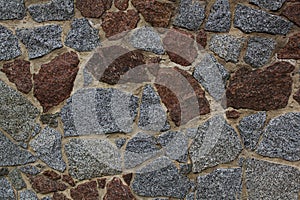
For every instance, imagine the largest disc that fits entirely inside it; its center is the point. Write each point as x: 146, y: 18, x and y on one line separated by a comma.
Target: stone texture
x: 82, y: 36
x: 292, y: 12
x: 216, y: 143
x: 9, y: 44
x: 268, y: 4
x: 52, y: 175
x: 30, y: 170
x: 291, y: 49
x: 252, y: 20
x: 68, y: 179
x: 93, y: 8
x: 4, y: 171
x: 297, y: 96
x: 265, y: 180
x: 227, y: 47
x: 16, y: 179
x: 50, y: 119
x: 44, y: 185
x: 116, y: 190
x: 232, y: 114
x: 6, y: 190
x: 219, y: 19
x: 41, y: 40
x: 54, y: 82
x: 221, y: 183
x: 15, y: 9
x: 28, y: 195
x: 121, y: 4
x: 281, y: 138
x: 190, y: 15
x: 59, y: 196
x: 127, y: 178
x: 101, y: 183
x: 201, y: 39
x: 85, y: 191
x: 120, y: 142
x: 262, y: 89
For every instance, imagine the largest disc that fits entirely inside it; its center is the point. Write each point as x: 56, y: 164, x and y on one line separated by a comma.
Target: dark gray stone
x: 4, y: 171
x: 28, y: 195
x: 30, y: 169
x: 50, y: 119
x: 16, y: 179
x: 6, y: 190
x: 120, y: 142
x: 268, y: 4
x: 185, y: 169
x: 252, y: 20
x: 41, y: 40
x: 9, y: 45
x: 12, y: 9
x: 46, y: 198
x: 281, y: 138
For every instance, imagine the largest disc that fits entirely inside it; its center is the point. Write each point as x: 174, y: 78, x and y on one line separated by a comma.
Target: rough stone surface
x: 268, y: 4
x: 68, y: 179
x: 54, y: 82
x: 252, y: 20
x: 219, y: 19
x: 185, y: 169
x: 101, y: 183
x: 28, y: 195
x: 281, y: 138
x: 41, y: 40
x: 232, y: 114
x: 120, y: 142
x: 116, y: 190
x: 30, y: 169
x: 227, y: 47
x: 201, y: 39
x: 265, y: 180
x: 121, y: 4
x: 262, y: 89
x: 297, y: 96
x: 4, y: 171
x: 93, y: 8
x: 9, y: 44
x: 216, y: 143
x: 52, y: 175
x: 45, y: 185
x: 6, y: 190
x: 292, y: 12
x: 16, y: 179
x: 15, y: 9
x: 50, y: 119
x: 127, y: 178
x: 291, y: 49
x: 59, y: 196
x: 85, y: 191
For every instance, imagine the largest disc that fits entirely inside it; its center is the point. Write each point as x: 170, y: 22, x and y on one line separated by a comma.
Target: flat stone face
x: 54, y: 82
x: 93, y: 8
x: 281, y: 138
x: 291, y: 49
x: 121, y: 4
x: 30, y: 169
x: 116, y: 190
x: 259, y: 51
x: 57, y: 196
x: 85, y: 191
x: 227, y: 47
x: 292, y: 12
x: 268, y: 4
x: 216, y: 143
x: 91, y: 158
x: 40, y: 41
x: 262, y: 89
x: 16, y: 179
x: 9, y: 45
x: 252, y: 20
x: 15, y: 9
x: 44, y: 185
x: 219, y: 19
x: 220, y: 183
x: 28, y: 194
x: 6, y: 190
x: 265, y: 180
x: 54, y: 10
x: 232, y: 114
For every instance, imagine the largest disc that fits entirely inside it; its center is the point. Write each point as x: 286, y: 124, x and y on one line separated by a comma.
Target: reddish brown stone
x: 54, y: 82
x: 292, y: 12
x: 121, y: 4
x: 93, y: 8
x: 86, y: 191
x: 68, y: 179
x: 101, y: 183
x: 52, y: 174
x: 59, y: 196
x: 292, y: 48
x: 232, y: 114
x: 116, y: 190
x: 262, y: 89
x: 297, y: 96
x: 202, y: 38
x: 156, y: 13
x: 45, y: 185
x: 18, y: 72
x: 127, y: 178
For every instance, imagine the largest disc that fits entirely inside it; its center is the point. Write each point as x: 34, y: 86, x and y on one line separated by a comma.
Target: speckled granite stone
x: 28, y: 195
x: 16, y: 179
x: 6, y: 190
x: 268, y: 4
x: 14, y: 9
x: 9, y: 45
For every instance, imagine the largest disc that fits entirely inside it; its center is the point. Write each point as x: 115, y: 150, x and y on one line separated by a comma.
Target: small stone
x: 30, y: 169
x: 291, y: 49
x: 190, y: 15
x: 68, y: 179
x: 40, y: 41
x: 4, y: 172
x: 16, y: 179
x: 297, y: 96
x: 50, y: 119
x: 44, y: 185
x: 52, y: 175
x: 93, y: 8
x: 116, y: 190
x: 185, y: 169
x: 101, y: 183
x: 281, y: 138
x: 127, y: 178
x: 232, y: 114
x: 82, y: 36
x: 121, y: 4
x: 59, y: 196
x: 6, y: 190
x: 9, y: 44
x: 292, y: 12
x: 201, y: 39
x: 28, y: 195
x: 252, y: 20
x: 14, y: 9
x: 85, y: 191
x: 219, y: 19
x: 120, y: 142
x: 268, y: 4
x: 36, y: 130
x: 87, y: 78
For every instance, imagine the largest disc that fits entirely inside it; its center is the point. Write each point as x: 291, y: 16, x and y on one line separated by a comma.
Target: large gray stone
x: 6, y: 190
x: 9, y: 45
x: 16, y: 179
x: 12, y: 9
x: 268, y: 4
x: 28, y: 195
x: 30, y: 169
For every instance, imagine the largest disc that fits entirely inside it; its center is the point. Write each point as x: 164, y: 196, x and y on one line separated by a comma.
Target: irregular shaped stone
x: 291, y: 49
x: 227, y: 47
x: 6, y: 190
x: 265, y: 180
x: 220, y: 183
x: 252, y: 20
x: 90, y: 158
x: 232, y: 114
x: 281, y: 138
x: 292, y: 12
x: 127, y: 178
x: 54, y: 82
x: 93, y: 8
x: 82, y: 36
x: 30, y: 169
x: 50, y: 119
x: 190, y: 15
x: 68, y: 179
x: 85, y: 191
x: 201, y: 39
x: 28, y: 194
x: 59, y: 196
x: 251, y: 128
x: 120, y: 142
x: 219, y: 19
x: 47, y: 146
x: 4, y: 171
x: 14, y: 9
x: 9, y: 44
x: 101, y: 183
x: 262, y: 89
x: 87, y: 78
x: 216, y: 143
x: 16, y: 179
x: 121, y: 4
x: 41, y: 40
x: 212, y: 76
x: 185, y: 169
x: 116, y: 190
x: 297, y: 96
x: 52, y: 175
x: 268, y: 4
x: 45, y: 185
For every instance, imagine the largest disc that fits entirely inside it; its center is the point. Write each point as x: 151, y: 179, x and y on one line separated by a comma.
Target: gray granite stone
x: 259, y: 51
x: 252, y: 20
x: 216, y: 143
x: 185, y: 168
x: 47, y: 146
x: 15, y: 9
x: 281, y: 138
x: 36, y: 129
x: 28, y: 195
x: 91, y: 158
x: 54, y: 10
x: 251, y: 128
x: 30, y: 169
x: 160, y: 178
x: 268, y: 4
x: 6, y: 190
x: 220, y: 184
x: 190, y: 15
x: 227, y: 47
x: 212, y: 76
x: 50, y: 119
x: 16, y: 179
x: 40, y: 41
x: 87, y: 78
x: 190, y: 196
x: 82, y: 36
x: 4, y: 171
x: 219, y: 19
x: 9, y: 45
x: 120, y: 142
x: 270, y: 181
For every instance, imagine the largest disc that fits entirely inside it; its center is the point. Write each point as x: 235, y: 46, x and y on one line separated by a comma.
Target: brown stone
x: 52, y: 174
x: 18, y: 72
x: 127, y: 178
x: 297, y: 96
x: 201, y: 38
x: 116, y: 190
x: 101, y: 183
x: 262, y: 89
x: 93, y: 8
x: 291, y: 49
x: 59, y: 196
x: 45, y: 185
x: 54, y: 82
x: 68, y: 179
x: 86, y: 191
x: 292, y: 12
x: 121, y: 4
x: 232, y: 114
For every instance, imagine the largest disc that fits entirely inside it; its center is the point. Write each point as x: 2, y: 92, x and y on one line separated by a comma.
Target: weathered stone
x: 216, y: 143
x: 219, y: 19
x: 185, y: 169
x: 265, y: 180
x: 28, y: 195
x: 252, y: 20
x: 116, y: 190
x: 262, y: 89
x: 82, y: 36
x: 93, y: 8
x: 232, y: 114
x: 291, y: 49
x: 50, y: 119
x: 14, y: 9
x: 227, y: 47
x: 52, y: 175
x: 30, y: 169
x: 68, y: 179
x: 6, y: 190
x: 16, y: 179
x: 281, y: 138
x: 201, y: 39
x: 121, y: 4
x: 87, y: 78
x: 44, y: 185
x: 268, y: 4
x: 120, y: 142
x: 127, y: 178
x: 292, y: 12
x: 59, y: 196
x: 4, y: 171
x: 85, y: 191
x: 101, y: 183
x: 54, y: 82
x: 297, y: 96
x: 9, y: 44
